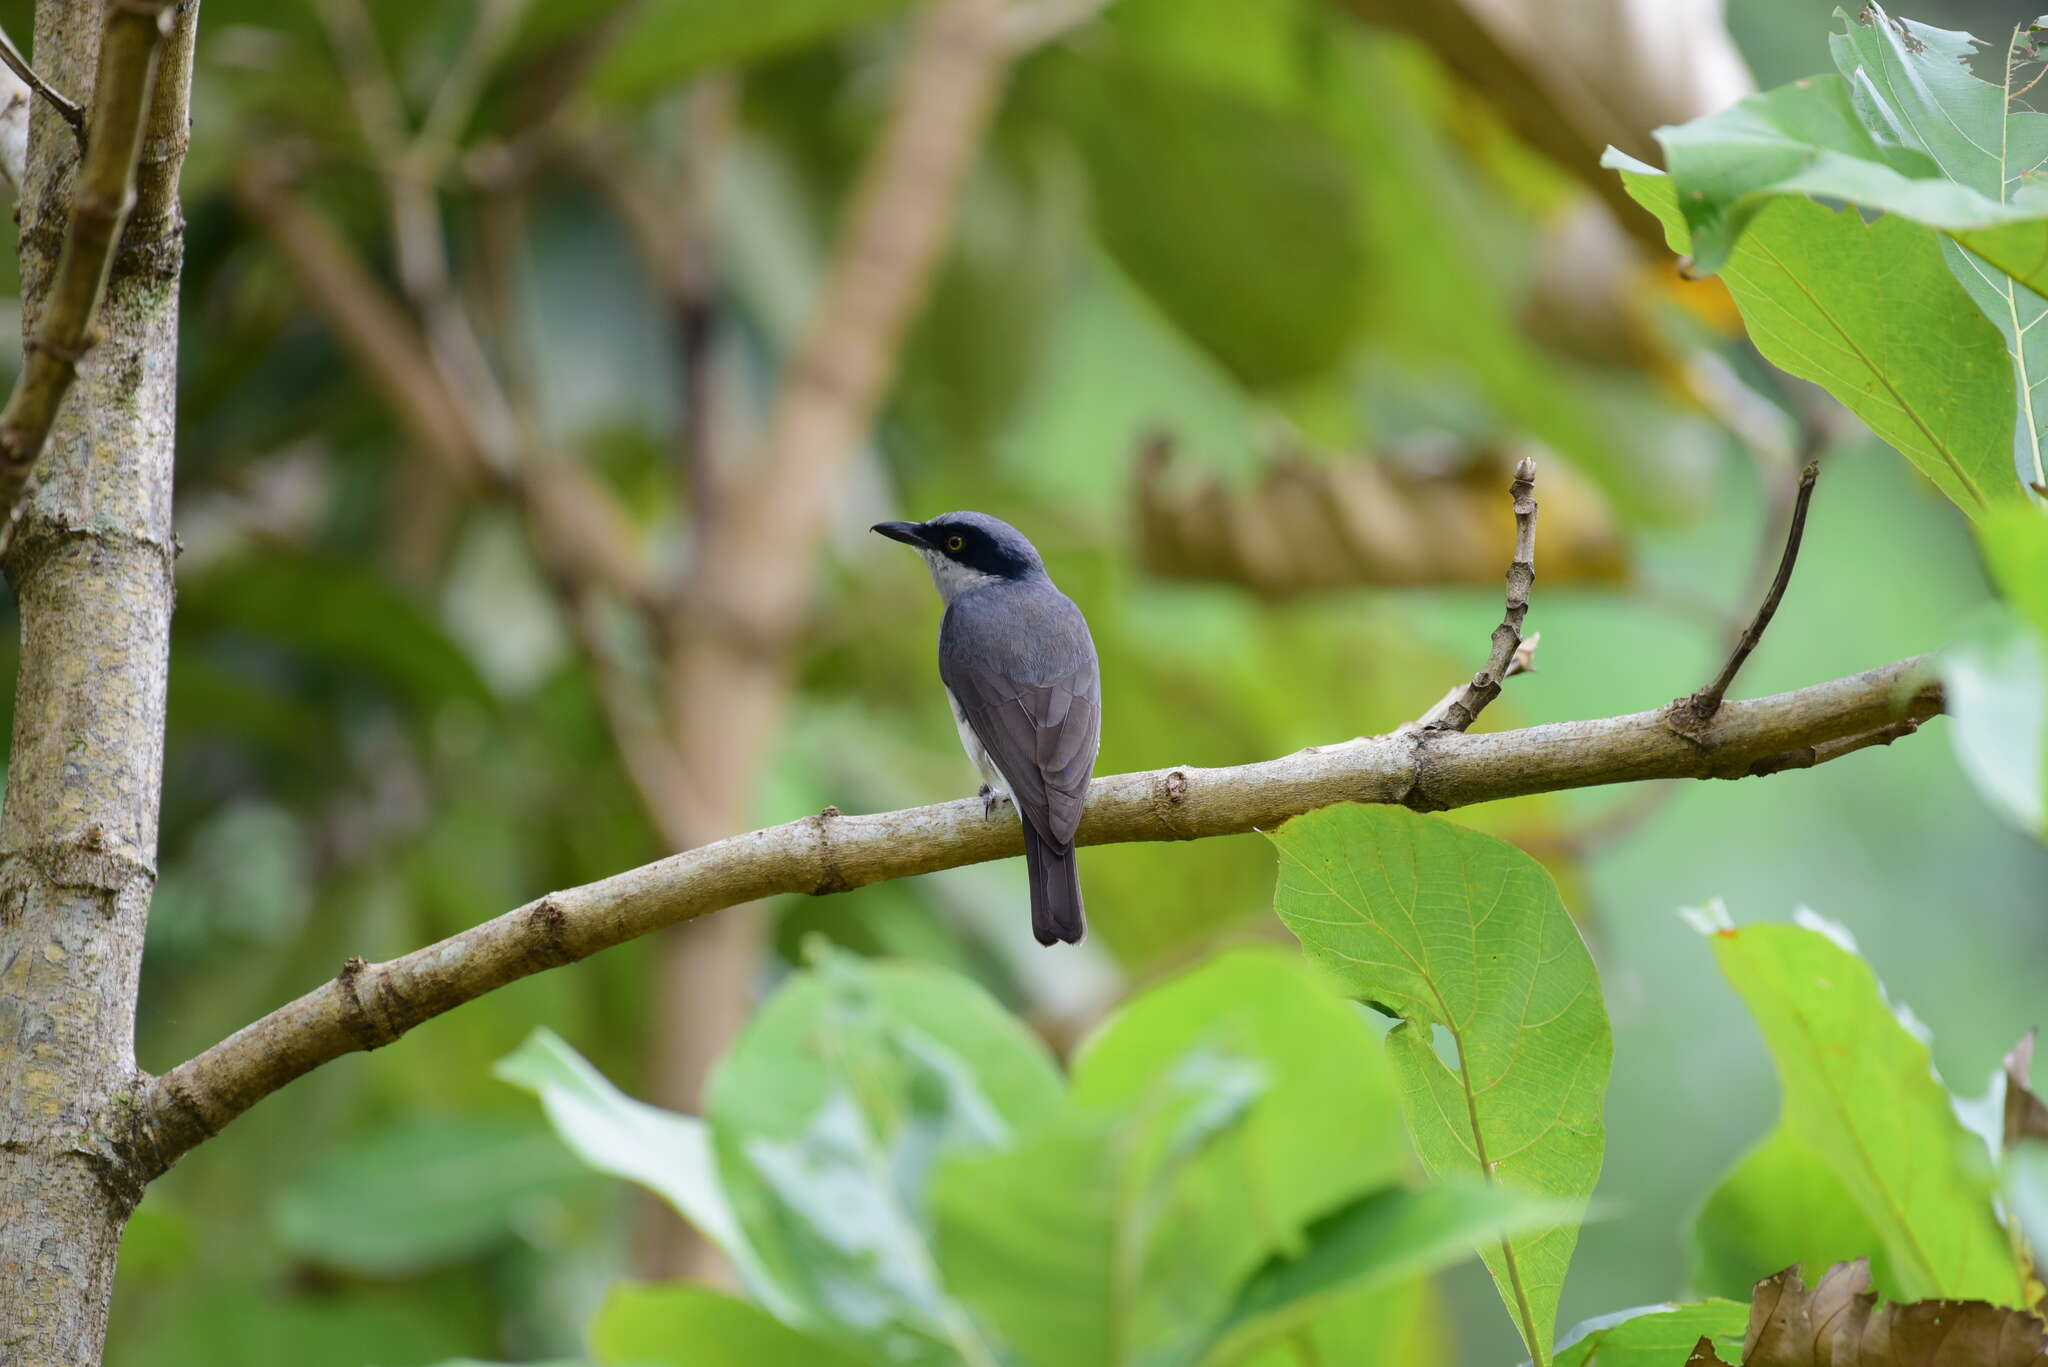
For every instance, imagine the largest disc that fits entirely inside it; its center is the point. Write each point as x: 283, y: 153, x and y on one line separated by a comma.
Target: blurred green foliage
x: 1258, y: 224
x: 909, y: 1185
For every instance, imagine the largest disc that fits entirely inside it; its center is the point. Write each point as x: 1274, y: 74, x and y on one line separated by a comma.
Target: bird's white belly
x: 970, y: 742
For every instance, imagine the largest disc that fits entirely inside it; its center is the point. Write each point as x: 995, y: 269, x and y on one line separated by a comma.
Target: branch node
x: 550, y: 926
x: 830, y: 878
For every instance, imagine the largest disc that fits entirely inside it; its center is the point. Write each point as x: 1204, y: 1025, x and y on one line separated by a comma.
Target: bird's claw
x: 990, y: 800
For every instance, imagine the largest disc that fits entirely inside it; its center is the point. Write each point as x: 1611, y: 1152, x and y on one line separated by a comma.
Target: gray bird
x: 1019, y: 669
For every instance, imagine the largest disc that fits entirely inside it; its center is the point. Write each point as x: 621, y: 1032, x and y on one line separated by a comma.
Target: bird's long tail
x: 1055, y: 891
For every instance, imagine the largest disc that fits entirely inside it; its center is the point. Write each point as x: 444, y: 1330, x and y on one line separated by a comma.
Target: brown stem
x: 67, y: 108
x: 1702, y: 705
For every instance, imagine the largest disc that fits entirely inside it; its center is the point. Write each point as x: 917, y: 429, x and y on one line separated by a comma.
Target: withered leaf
x: 1411, y: 519
x: 2026, y: 1115
x: 1839, y: 1323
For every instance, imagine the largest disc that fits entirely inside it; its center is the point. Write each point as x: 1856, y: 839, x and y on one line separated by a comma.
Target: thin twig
x: 67, y: 108
x: 102, y: 193
x: 1522, y: 662
x: 1702, y: 705
x: 370, y: 1005
x: 1458, y: 712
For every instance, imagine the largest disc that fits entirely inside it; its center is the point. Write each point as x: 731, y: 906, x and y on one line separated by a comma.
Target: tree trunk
x: 91, y: 569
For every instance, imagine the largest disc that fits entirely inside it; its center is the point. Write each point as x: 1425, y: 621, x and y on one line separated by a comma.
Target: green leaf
x: 2015, y: 542
x: 1081, y: 1246
x: 1445, y: 927
x: 1327, y: 1126
x: 1655, y: 1335
x: 1907, y: 130
x: 1871, y: 313
x: 1386, y: 1236
x: 1913, y: 84
x: 1193, y: 184
x: 1995, y: 681
x: 828, y: 1117
x: 1860, y: 1091
x: 678, y: 1324
x: 1780, y: 1205
x: 421, y: 1193
x: 669, y: 1154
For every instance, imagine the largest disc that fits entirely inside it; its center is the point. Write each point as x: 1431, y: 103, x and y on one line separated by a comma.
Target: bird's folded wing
x: 1042, y: 737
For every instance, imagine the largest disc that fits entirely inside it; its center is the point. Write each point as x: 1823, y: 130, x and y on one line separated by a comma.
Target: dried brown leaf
x: 2026, y: 1115
x: 1310, y: 526
x: 1839, y: 1323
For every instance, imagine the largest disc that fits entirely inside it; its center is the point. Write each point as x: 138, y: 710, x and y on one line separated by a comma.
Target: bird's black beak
x: 909, y: 533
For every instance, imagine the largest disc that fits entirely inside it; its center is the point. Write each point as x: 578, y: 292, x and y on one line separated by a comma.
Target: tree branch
x: 370, y: 1005
x: 67, y: 108
x: 1458, y: 712
x: 102, y: 193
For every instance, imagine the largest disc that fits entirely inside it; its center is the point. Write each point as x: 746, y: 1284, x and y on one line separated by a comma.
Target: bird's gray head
x: 968, y: 550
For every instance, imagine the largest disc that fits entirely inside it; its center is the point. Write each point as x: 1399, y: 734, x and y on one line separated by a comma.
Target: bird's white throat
x: 951, y: 577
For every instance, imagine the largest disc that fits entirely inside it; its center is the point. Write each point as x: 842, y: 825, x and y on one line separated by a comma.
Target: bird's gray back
x: 1021, y: 667
x: 1028, y: 632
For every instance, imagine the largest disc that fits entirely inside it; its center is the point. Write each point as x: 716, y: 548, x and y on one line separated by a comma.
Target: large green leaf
x: 848, y: 1088
x: 1655, y: 1336
x: 1913, y: 84
x: 1860, y: 1091
x: 421, y: 1193
x: 1082, y: 1247
x: 669, y: 1154
x: 1386, y: 1236
x: 1780, y: 1205
x: 1908, y: 130
x: 679, y: 1324
x: 2015, y: 542
x: 1996, y: 674
x: 1995, y: 685
x: 1193, y: 185
x: 1327, y: 1126
x: 1871, y: 313
x: 1446, y: 928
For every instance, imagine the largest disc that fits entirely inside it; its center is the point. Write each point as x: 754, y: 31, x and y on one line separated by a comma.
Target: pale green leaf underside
x: 1655, y: 1336
x: 1860, y: 1091
x: 1445, y: 927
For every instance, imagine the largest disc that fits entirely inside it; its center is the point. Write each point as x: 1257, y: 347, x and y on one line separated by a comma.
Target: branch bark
x: 102, y: 193
x: 91, y: 568
x: 370, y: 1005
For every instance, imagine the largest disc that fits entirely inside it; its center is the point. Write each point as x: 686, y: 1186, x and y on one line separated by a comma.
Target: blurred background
x: 545, y: 363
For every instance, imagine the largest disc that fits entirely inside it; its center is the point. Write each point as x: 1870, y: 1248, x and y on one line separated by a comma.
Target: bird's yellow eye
x: 954, y: 543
